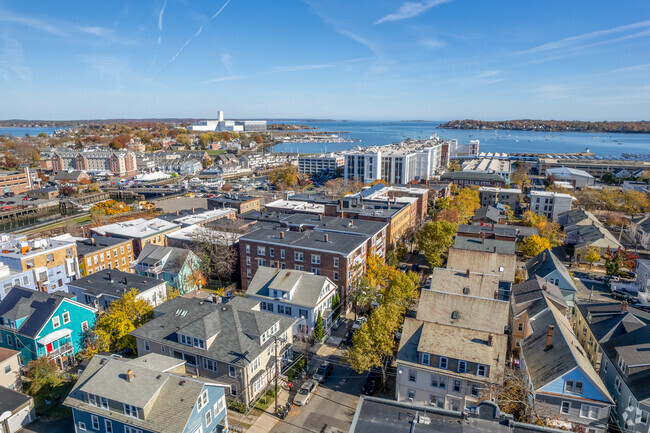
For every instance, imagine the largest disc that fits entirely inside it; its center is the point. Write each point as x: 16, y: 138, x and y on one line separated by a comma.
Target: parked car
x: 348, y: 337
x: 324, y: 371
x: 357, y: 323
x: 371, y: 383
x: 305, y: 392
x: 624, y: 296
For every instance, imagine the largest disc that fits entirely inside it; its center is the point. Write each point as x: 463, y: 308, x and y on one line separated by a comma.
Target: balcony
x: 143, y: 267
x: 61, y: 350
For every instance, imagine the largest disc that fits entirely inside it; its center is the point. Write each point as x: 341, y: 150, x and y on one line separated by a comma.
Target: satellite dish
x: 5, y: 415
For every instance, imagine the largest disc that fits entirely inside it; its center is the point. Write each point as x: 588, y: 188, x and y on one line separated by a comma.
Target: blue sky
x: 335, y: 59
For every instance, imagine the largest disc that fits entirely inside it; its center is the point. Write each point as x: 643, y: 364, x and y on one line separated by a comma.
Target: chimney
x: 130, y: 375
x: 320, y: 217
x: 496, y: 294
x: 489, y: 342
x: 281, y: 235
x: 110, y: 277
x: 494, y: 249
x: 177, y: 212
x: 544, y: 257
x: 482, y: 237
x: 92, y: 241
x: 192, y: 210
x: 544, y: 287
x: 549, y: 337
x: 327, y: 238
x: 277, y: 265
x: 467, y: 272
x: 126, y: 281
x: 624, y: 307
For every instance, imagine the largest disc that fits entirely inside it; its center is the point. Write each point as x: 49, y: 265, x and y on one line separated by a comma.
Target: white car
x: 357, y: 323
x: 305, y: 392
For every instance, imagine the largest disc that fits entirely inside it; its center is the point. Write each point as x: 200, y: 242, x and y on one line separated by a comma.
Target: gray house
x: 549, y: 267
x: 232, y: 343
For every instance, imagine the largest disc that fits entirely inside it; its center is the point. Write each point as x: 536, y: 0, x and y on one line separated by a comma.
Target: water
x: 379, y: 133
x: 20, y: 132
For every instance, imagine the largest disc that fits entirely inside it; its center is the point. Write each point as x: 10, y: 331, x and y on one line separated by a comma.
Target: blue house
x: 549, y: 267
x: 566, y: 389
x: 149, y: 394
x: 44, y: 324
x: 174, y: 265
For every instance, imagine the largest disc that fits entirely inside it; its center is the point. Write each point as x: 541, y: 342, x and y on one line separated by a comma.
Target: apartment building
x: 340, y: 257
x: 16, y: 182
x: 53, y: 262
x: 175, y: 266
x: 103, y: 252
x: 577, y: 178
x: 13, y: 277
x: 141, y: 231
x: 240, y: 202
x: 396, y: 193
x: 473, y: 178
x: 95, y: 160
x: 550, y: 204
x: 317, y: 164
x: 398, y: 163
x: 230, y: 343
x: 198, y: 216
x: 501, y: 167
x: 549, y: 267
x: 491, y: 196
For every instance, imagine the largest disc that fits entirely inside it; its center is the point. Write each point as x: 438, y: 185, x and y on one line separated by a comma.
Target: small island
x: 551, y: 125
x: 288, y: 127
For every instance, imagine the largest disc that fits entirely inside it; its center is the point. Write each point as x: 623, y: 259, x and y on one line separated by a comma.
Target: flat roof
x: 336, y: 242
x: 137, y: 228
x: 297, y: 206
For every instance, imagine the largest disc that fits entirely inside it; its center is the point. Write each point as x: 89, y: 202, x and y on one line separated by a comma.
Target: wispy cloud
x: 30, y: 22
x: 432, y: 44
x: 411, y: 10
x: 12, y: 63
x: 226, y: 61
x: 573, y: 40
x: 297, y: 68
x: 160, y: 22
x: 220, y: 79
x: 101, y: 32
x: 552, y: 91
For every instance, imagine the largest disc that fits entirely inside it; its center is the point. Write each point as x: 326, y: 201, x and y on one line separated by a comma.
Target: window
x: 282, y: 254
x: 617, y: 384
x: 271, y: 252
x: 456, y: 387
x: 202, y: 401
x: 411, y: 394
x: 10, y: 340
x: 604, y: 366
x: 109, y: 425
x: 131, y: 411
x: 644, y: 417
x: 299, y: 268
x: 255, y: 364
x: 315, y: 271
x: 84, y: 326
x: 520, y: 327
x: 232, y: 372
x: 129, y: 429
x: 426, y: 358
x: 261, y: 251
x: 219, y: 406
x: 437, y: 401
x: 233, y: 389
x: 336, y: 262
x: 438, y: 381
x: 474, y: 390
x: 7, y: 369
x: 462, y: 366
x: 443, y: 362
x: 146, y: 346
x: 249, y: 273
x: 315, y: 259
x: 565, y: 407
x: 412, y: 375
x: 103, y: 401
x: 49, y: 258
x: 82, y: 426
x: 92, y: 400
x: 587, y: 411
x: 336, y: 275
x: 208, y: 418
x: 56, y: 322
x: 248, y: 260
x: 297, y: 256
x: 481, y: 370
x: 573, y: 387
x: 95, y: 421
x: 248, y: 249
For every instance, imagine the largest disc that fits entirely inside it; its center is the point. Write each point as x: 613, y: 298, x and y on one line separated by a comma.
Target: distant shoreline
x: 640, y: 127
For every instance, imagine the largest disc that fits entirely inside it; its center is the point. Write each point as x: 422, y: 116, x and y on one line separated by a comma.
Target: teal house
x: 149, y: 394
x: 44, y: 324
x: 177, y: 266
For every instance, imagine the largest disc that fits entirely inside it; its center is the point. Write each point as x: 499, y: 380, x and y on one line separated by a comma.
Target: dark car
x: 371, y: 384
x: 348, y: 337
x: 324, y: 371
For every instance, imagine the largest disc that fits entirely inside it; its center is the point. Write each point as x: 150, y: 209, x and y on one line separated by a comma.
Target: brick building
x: 242, y: 203
x: 16, y: 182
x: 103, y: 252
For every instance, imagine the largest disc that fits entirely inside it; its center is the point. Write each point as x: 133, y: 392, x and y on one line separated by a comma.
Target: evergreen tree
x: 318, y: 328
x: 336, y: 305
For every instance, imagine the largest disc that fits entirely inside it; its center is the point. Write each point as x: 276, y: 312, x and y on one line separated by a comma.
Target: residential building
x: 17, y: 410
x: 496, y: 231
x: 149, y: 394
x: 141, y: 231
x: 44, y: 193
x: 596, y: 323
x: 10, y: 370
x: 71, y: 177
x: 584, y: 231
x: 43, y: 324
x: 640, y: 229
x: 380, y: 192
x: 641, y: 285
x: 231, y: 343
x: 548, y: 266
x: 103, y: 252
x: 240, y: 202
x: 565, y: 388
x: 453, y: 352
x: 398, y: 163
x: 578, y: 178
x: 12, y: 277
x: 178, y: 267
x: 529, y: 299
x: 101, y: 289
x: 53, y: 263
x: 470, y: 178
x: 499, y: 166
x: 374, y: 415
x: 294, y: 206
x: 298, y: 294
x: 489, y: 215
x: 199, y: 216
x: 95, y: 160
x: 550, y: 204
x: 625, y: 371
x: 339, y: 257
x: 16, y: 182
x: 323, y: 163
x: 490, y: 196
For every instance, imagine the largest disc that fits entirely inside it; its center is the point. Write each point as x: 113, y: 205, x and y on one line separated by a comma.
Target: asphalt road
x: 62, y: 426
x: 332, y: 407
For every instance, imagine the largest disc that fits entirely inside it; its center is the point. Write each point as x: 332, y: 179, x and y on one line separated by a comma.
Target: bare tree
x: 217, y: 252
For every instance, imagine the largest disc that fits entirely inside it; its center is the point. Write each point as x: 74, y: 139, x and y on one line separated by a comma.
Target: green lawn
x: 55, y: 410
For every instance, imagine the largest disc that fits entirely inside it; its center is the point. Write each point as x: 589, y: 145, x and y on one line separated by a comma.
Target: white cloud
x: 297, y: 68
x: 220, y: 79
x: 552, y: 91
x: 32, y: 23
x: 12, y: 63
x: 101, y: 32
x: 160, y: 21
x: 411, y: 10
x: 432, y: 43
x: 226, y: 61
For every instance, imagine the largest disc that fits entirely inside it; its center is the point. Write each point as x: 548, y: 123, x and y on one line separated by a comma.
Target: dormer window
x: 202, y: 401
x: 131, y: 411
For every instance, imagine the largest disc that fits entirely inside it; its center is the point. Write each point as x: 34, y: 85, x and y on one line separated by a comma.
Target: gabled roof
x: 173, y: 258
x: 11, y: 401
x: 546, y: 262
x: 486, y: 245
x: 525, y: 294
x: 459, y: 282
x: 607, y: 320
x: 481, y: 261
x: 544, y: 365
x: 68, y: 175
x: 307, y: 286
x: 634, y: 347
x: 36, y: 307
x: 237, y: 333
x: 490, y: 213
x: 471, y: 175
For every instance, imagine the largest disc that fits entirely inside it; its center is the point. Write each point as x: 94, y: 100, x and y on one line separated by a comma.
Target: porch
x: 57, y: 346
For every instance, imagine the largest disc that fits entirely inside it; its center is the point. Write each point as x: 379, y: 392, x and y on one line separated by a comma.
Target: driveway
x: 61, y: 426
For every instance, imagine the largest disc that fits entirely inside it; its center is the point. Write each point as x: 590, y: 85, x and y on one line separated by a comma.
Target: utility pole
x: 275, y: 342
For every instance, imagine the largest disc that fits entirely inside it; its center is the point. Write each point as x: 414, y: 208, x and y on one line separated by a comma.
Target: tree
x: 183, y: 140
x: 206, y: 162
x: 216, y: 251
x: 450, y: 215
x: 533, y: 245
x: 67, y: 190
x: 336, y: 305
x: 520, y: 175
x: 42, y: 372
x: 466, y: 203
x: 635, y: 202
x: 434, y: 240
x: 552, y: 232
x: 615, y: 262
x: 123, y: 316
x: 284, y: 178
x: 592, y: 255
x: 318, y: 327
